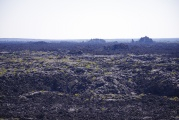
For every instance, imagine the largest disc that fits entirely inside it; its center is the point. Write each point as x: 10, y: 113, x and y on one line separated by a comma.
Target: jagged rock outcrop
x: 145, y: 40
x: 132, y: 41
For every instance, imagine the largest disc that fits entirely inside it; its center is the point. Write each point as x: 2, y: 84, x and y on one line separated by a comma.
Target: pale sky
x: 85, y: 19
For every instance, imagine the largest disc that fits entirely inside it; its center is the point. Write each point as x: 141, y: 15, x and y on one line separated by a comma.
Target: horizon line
x: 85, y: 38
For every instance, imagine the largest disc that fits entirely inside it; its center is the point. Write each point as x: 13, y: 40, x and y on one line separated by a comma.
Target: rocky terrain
x: 84, y: 81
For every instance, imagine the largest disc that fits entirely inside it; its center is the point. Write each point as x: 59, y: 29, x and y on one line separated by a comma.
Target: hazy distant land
x: 123, y: 40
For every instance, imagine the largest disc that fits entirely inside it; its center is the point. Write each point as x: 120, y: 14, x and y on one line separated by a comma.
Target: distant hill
x: 145, y: 40
x: 97, y: 41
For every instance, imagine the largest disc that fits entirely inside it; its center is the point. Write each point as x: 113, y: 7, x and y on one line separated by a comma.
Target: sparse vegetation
x: 105, y: 81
